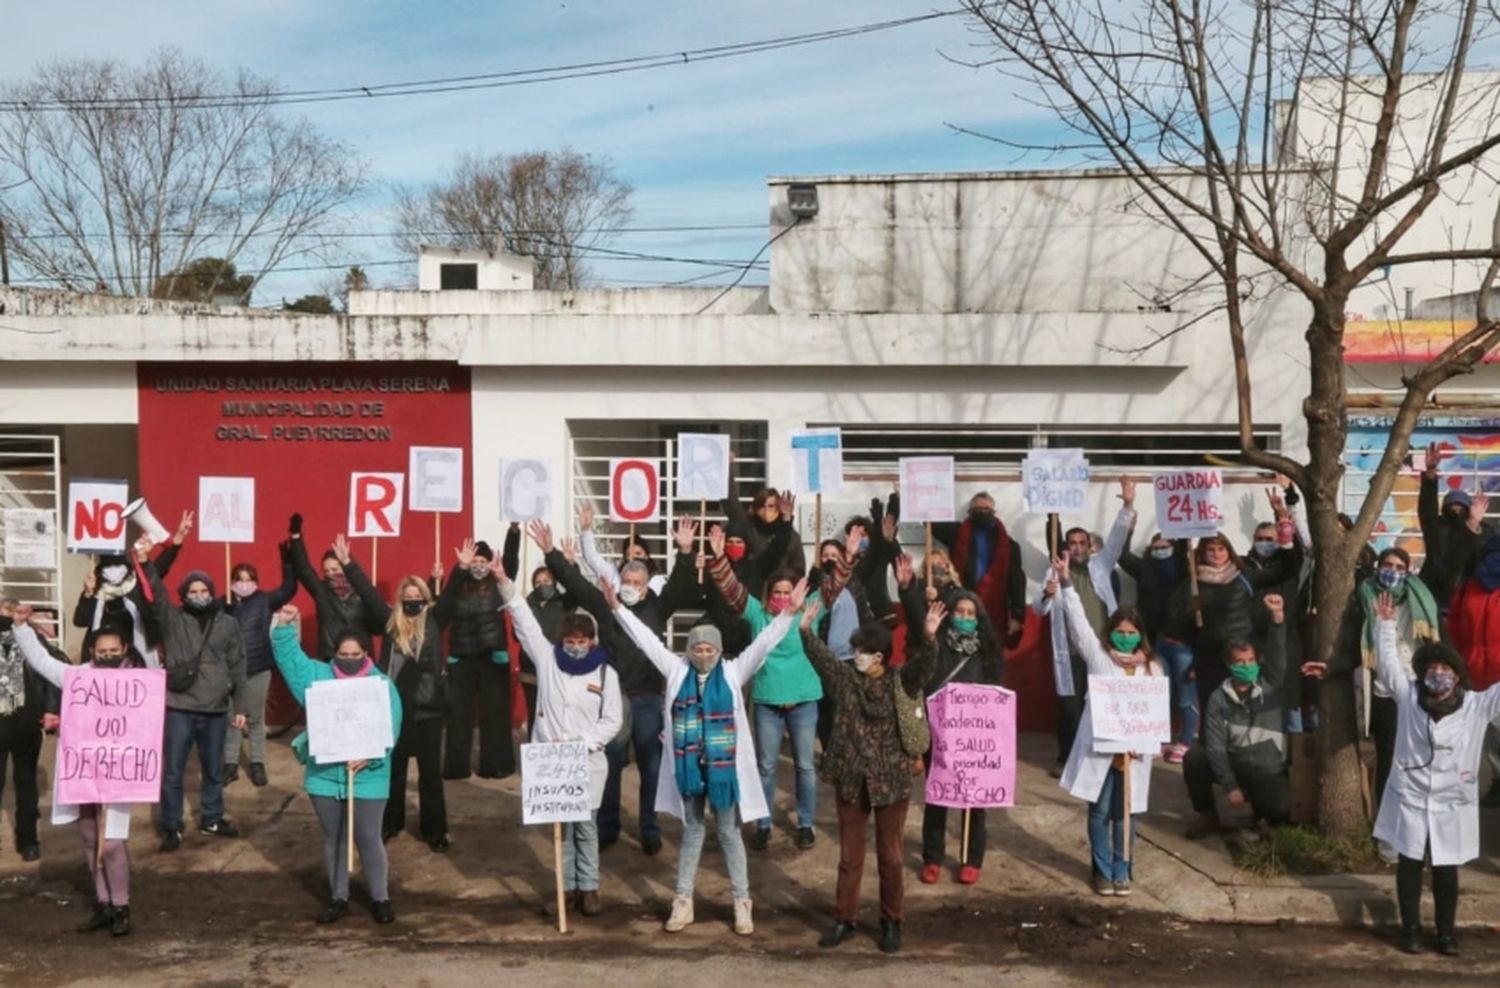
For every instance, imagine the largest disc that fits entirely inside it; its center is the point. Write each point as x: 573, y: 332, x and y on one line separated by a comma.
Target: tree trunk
x: 1340, y: 803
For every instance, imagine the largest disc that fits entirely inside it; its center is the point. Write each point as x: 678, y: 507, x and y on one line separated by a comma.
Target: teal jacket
x: 788, y: 677
x: 371, y: 782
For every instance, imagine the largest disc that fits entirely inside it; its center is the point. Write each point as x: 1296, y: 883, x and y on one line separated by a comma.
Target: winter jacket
x: 330, y: 780
x: 1156, y: 580
x: 768, y: 547
x: 1002, y: 587
x: 946, y: 665
x: 357, y: 612
x: 253, y: 614
x: 1230, y: 614
x: 405, y: 669
x: 470, y: 610
x: 1474, y: 627
x: 1244, y: 731
x: 864, y: 758
x: 213, y: 644
x: 116, y: 614
x: 1448, y: 546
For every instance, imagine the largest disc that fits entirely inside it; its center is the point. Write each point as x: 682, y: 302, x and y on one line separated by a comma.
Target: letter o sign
x: 634, y: 490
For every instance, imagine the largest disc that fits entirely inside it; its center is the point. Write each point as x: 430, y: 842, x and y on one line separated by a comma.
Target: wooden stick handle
x: 349, y: 864
x: 557, y: 866
x: 927, y: 556
x: 1126, y: 773
x: 702, y: 537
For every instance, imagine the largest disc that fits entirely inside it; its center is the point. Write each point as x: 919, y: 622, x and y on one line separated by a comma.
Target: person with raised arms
x: 252, y: 608
x: 712, y: 765
x: 339, y: 604
x: 327, y: 784
x: 106, y: 648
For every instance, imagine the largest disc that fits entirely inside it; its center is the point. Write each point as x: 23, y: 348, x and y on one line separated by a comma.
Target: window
x: 458, y: 277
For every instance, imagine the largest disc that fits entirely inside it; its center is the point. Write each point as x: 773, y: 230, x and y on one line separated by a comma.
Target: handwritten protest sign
x: 226, y: 509
x: 973, y: 747
x: 525, y: 490
x: 634, y: 490
x: 437, y: 478
x: 349, y: 719
x: 927, y: 489
x: 1130, y: 713
x: 96, y: 515
x: 1054, y: 481
x: 1189, y: 503
x: 817, y: 461
x: 375, y: 504
x: 109, y: 743
x: 702, y: 466
x: 555, y: 783
x: 30, y: 538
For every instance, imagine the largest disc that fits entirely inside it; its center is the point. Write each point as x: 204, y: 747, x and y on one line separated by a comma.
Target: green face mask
x: 1245, y: 672
x: 965, y: 626
x: 1125, y: 641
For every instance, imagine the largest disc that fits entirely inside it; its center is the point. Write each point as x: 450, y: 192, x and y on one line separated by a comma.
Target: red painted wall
x: 300, y: 430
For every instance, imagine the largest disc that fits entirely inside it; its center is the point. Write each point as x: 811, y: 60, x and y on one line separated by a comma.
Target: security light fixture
x: 802, y: 200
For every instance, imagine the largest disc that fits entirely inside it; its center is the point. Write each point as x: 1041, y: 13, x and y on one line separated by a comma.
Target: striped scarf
x: 703, y: 740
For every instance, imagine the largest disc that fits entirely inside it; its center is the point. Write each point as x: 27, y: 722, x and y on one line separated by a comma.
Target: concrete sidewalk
x: 499, y: 872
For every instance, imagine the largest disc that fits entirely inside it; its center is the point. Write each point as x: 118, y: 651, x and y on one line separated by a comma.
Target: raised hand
x: 935, y: 614
x: 888, y: 524
x: 183, y: 528
x: 1478, y: 510
x: 686, y: 535
x: 905, y: 571
x: 288, y: 615
x: 1432, y: 461
x: 810, y: 614
x: 1275, y: 606
x: 856, y: 536
x: 586, y: 517
x: 799, y: 593
x: 1315, y: 670
x: 1385, y: 607
x: 341, y: 548
x: 142, y: 548
x: 570, y: 551
x: 541, y: 534
x: 787, y: 505
x: 1060, y: 571
x: 611, y: 596
x: 1278, y: 503
x: 716, y: 541
x: 1127, y: 491
x: 466, y: 554
x: 90, y: 584
x: 22, y: 614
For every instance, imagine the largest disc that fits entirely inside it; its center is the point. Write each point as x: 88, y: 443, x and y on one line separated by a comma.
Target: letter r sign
x: 375, y: 504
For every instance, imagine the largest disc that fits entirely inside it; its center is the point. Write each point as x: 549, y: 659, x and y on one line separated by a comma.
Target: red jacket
x: 992, y: 585
x: 1474, y: 626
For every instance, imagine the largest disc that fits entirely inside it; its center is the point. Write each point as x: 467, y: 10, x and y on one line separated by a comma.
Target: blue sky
x: 697, y: 141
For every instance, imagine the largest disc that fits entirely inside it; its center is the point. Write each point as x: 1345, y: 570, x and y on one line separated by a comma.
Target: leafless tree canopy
x: 138, y: 176
x: 555, y: 206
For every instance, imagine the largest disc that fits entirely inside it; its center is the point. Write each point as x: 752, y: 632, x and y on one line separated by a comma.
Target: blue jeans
x: 771, y: 723
x: 645, y: 739
x: 694, y: 829
x: 1178, y: 658
x: 581, y: 856
x: 185, y: 729
x: 1107, y: 829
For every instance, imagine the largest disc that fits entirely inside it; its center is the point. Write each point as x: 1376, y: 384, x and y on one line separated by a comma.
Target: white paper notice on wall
x: 436, y: 475
x: 30, y: 538
x: 525, y: 490
x: 702, y: 466
x: 226, y: 509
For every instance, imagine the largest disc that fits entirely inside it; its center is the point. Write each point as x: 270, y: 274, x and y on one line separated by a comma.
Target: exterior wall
x: 57, y: 393
x: 592, y: 301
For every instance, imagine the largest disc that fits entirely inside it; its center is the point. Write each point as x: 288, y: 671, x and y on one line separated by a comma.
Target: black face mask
x: 411, y: 608
x: 200, y: 606
x: 6, y: 622
x: 828, y: 566
x: 108, y: 662
x: 982, y: 518
x: 349, y: 666
x: 547, y: 591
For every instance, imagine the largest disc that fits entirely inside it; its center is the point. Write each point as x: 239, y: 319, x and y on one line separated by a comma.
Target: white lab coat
x: 1433, y: 790
x: 1087, y: 769
x: 569, y: 708
x: 605, y: 570
x: 1101, y: 566
x: 739, y: 671
x: 55, y: 671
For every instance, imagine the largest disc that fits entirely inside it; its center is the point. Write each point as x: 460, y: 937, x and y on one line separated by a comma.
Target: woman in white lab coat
x: 701, y: 687
x: 577, y: 699
x: 105, y: 648
x: 1430, y: 808
x: 1095, y: 777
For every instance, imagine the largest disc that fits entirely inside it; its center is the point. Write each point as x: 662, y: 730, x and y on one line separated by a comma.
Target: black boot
x: 119, y: 925
x: 97, y: 920
x: 841, y: 931
x: 1411, y: 940
x: 1447, y: 943
x: 890, y: 936
x: 336, y: 910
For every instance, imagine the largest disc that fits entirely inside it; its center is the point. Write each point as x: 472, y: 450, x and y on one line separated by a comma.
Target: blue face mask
x: 1265, y: 547
x: 1391, y: 579
x: 864, y: 545
x: 1164, y: 552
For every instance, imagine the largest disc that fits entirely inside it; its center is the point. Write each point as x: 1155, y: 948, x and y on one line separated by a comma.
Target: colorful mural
x: 1395, y: 341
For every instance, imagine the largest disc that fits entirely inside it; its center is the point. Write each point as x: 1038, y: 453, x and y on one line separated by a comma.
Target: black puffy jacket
x: 470, y: 609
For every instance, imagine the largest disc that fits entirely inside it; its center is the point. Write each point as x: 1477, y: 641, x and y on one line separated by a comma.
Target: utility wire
x: 748, y: 264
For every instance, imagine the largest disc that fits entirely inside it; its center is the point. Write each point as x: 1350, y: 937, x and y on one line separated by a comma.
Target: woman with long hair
x: 413, y: 659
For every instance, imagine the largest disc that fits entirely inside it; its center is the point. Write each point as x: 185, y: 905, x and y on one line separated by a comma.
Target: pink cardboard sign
x: 973, y: 747
x: 109, y: 742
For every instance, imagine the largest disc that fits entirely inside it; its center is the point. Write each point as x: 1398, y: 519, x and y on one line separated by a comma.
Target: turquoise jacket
x: 788, y: 677
x: 371, y: 782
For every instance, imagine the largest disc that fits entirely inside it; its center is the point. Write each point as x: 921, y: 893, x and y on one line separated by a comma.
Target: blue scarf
x: 580, y: 667
x: 703, y: 740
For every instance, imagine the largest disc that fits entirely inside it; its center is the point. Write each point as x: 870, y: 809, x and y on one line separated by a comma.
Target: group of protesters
x: 823, y: 657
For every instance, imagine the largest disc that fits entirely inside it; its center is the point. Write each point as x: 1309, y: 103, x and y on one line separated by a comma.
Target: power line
x: 390, y: 234
x: 489, y: 80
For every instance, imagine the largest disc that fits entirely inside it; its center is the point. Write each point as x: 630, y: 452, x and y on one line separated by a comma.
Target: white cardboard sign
x: 1054, y: 481
x: 555, y: 783
x: 525, y: 490
x: 349, y: 719
x: 437, y: 478
x: 927, y: 489
x: 1130, y: 713
x: 1189, y: 503
x: 634, y: 490
x: 96, y: 515
x: 817, y: 461
x: 226, y: 509
x: 375, y: 504
x: 702, y: 466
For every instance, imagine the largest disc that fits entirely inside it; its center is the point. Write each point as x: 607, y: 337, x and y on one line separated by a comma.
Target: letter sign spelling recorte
x: 817, y: 461
x: 927, y: 489
x: 437, y: 478
x: 96, y: 519
x: 634, y: 490
x: 375, y: 504
x: 702, y: 466
x: 226, y: 509
x: 525, y: 490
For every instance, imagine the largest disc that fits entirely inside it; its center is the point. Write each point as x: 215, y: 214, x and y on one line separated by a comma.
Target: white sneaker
x: 743, y: 924
x: 682, y: 914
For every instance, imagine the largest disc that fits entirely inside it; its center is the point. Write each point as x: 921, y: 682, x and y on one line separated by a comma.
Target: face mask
x: 114, y: 574
x: 1245, y: 672
x: 1164, y: 552
x: 6, y: 622
x: 828, y: 566
x: 1440, y: 682
x: 109, y: 661
x: 1265, y: 547
x: 547, y: 591
x: 198, y: 603
x: 1125, y: 641
x: 864, y: 545
x: 964, y: 626
x: 982, y: 517
x: 576, y: 651
x: 940, y: 574
x: 1390, y: 578
x: 630, y: 594
x: 735, y: 551
x: 777, y: 604
x: 704, y: 663
x: 479, y: 570
x: 243, y: 588
x: 411, y: 608
x: 864, y: 661
x: 349, y: 667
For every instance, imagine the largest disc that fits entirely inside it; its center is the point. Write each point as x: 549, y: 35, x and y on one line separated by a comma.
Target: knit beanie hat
x: 196, y: 576
x: 705, y: 634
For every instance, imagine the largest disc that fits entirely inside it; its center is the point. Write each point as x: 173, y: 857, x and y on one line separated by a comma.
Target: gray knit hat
x: 705, y: 633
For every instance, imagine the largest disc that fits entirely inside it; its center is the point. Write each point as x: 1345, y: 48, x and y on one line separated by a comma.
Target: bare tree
x: 121, y: 175
x: 556, y: 206
x: 1295, y: 144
